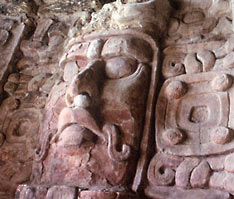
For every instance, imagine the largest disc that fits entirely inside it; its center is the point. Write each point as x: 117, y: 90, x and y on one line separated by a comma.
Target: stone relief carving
x: 194, y: 131
x: 82, y: 97
x: 98, y: 115
x: 98, y: 112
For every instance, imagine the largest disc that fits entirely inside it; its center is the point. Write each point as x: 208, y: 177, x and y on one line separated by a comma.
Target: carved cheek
x: 125, y: 99
x: 128, y: 91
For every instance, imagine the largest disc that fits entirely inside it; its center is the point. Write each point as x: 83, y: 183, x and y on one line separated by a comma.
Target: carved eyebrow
x: 65, y: 60
x: 132, y: 47
x: 78, y: 49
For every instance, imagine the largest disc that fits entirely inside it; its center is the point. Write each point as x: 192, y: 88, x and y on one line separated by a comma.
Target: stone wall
x: 116, y: 99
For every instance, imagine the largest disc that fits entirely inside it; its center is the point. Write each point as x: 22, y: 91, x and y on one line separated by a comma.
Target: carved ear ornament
x: 112, y: 134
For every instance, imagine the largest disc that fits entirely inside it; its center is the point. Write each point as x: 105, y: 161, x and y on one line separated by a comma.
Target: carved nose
x: 85, y: 87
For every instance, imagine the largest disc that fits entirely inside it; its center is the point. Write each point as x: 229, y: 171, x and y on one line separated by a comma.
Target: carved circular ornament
x: 173, y: 136
x: 176, y: 89
x: 221, y: 82
x: 173, y: 66
x: 4, y: 34
x: 220, y: 135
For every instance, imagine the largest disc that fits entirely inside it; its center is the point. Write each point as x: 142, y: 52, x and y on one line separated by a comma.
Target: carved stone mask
x: 99, y: 114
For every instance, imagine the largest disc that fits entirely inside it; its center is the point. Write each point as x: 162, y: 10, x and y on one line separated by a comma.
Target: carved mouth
x: 80, y: 117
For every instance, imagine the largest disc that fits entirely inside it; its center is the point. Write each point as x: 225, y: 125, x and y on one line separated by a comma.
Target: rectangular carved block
x: 11, y: 31
x: 193, y: 115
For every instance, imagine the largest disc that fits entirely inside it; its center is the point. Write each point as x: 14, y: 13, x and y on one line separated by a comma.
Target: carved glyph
x: 81, y: 105
x: 193, y: 119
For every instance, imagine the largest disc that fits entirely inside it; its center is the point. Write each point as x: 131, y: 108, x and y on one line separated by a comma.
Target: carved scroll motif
x: 193, y: 119
x: 194, y: 106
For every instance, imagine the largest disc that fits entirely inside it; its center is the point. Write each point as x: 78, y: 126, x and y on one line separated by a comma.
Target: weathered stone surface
x: 200, y: 175
x: 25, y: 191
x: 30, y: 192
x: 106, y: 195
x: 217, y: 162
x: 207, y: 58
x: 228, y: 164
x: 96, y: 194
x: 173, y: 66
x: 228, y: 182
x: 221, y: 135
x: 98, y: 100
x: 173, y: 193
x: 217, y: 180
x: 197, y: 114
x: 175, y: 90
x: 161, y: 169
x: 81, y: 143
x: 61, y: 192
x: 173, y: 136
x: 221, y: 83
x: 192, y: 65
x: 10, y: 39
x: 193, y: 17
x: 184, y: 171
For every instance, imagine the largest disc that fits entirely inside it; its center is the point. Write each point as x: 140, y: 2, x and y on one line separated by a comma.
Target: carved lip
x: 81, y: 117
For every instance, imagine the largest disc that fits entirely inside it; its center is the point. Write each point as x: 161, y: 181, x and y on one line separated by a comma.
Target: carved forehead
x: 105, y: 46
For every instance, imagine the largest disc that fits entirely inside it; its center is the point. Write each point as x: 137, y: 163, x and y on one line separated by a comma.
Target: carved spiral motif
x: 161, y: 169
x: 22, y: 124
x: 173, y: 66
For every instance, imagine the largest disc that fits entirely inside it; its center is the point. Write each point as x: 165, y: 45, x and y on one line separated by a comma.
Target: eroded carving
x: 98, y: 114
x: 118, y: 96
x: 98, y: 101
x: 196, y: 122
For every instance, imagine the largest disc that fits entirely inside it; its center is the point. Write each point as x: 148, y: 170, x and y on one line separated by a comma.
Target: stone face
x: 79, y: 98
x: 81, y: 143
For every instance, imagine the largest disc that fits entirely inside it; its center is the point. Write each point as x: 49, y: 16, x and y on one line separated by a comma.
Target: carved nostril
x: 82, y: 101
x: 69, y: 100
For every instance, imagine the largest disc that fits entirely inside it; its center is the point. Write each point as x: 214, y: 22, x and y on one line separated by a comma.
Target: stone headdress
x: 149, y: 17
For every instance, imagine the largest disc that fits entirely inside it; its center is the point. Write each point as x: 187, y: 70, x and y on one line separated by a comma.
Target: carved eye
x: 81, y: 64
x: 119, y: 67
x: 72, y: 68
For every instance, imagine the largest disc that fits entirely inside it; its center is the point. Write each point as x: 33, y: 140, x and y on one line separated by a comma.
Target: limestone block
x: 61, y: 192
